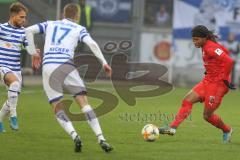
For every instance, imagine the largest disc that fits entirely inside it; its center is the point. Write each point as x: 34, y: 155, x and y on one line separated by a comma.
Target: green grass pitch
x: 41, y: 138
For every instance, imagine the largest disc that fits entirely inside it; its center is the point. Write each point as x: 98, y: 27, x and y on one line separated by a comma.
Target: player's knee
x: 61, y: 105
x: 15, y: 87
x: 81, y: 100
x: 57, y: 106
x: 206, y: 116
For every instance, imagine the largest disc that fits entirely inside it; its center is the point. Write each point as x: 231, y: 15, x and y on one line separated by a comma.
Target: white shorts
x: 60, y: 78
x: 5, y: 70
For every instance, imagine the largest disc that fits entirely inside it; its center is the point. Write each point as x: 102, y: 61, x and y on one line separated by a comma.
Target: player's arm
x: 225, y: 58
x: 30, y: 31
x: 98, y: 53
x: 31, y: 49
x: 228, y: 64
x: 39, y: 28
x: 228, y: 68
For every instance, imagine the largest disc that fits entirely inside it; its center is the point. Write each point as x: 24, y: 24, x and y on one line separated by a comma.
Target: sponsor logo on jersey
x: 218, y: 51
x: 8, y: 45
x: 211, y: 99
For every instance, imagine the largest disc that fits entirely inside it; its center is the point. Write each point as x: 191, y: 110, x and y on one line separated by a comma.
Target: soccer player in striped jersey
x: 61, y: 38
x: 12, y: 39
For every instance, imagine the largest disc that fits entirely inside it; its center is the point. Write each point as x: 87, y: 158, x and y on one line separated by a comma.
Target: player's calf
x: 4, y: 111
x: 13, y: 91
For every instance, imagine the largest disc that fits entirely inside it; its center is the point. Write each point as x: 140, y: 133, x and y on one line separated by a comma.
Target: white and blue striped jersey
x: 12, y: 40
x: 61, y: 39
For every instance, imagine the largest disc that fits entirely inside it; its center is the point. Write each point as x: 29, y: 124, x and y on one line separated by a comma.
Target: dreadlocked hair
x: 211, y: 36
x: 203, y: 32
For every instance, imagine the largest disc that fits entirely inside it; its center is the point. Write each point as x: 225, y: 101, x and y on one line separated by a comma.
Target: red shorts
x: 211, y: 93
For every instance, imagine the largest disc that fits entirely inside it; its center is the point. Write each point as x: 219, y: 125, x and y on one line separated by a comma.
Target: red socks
x: 182, y: 114
x: 217, y: 122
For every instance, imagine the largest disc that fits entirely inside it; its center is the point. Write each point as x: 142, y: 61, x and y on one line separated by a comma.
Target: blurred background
x: 147, y: 31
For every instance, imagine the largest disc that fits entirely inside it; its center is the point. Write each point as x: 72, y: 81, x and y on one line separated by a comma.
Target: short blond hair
x: 71, y: 10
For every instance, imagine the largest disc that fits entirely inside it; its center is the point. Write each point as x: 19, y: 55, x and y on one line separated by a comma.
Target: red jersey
x: 217, y: 62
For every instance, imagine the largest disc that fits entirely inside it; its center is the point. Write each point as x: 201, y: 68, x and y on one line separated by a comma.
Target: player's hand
x: 229, y: 85
x: 36, y: 60
x: 107, y: 69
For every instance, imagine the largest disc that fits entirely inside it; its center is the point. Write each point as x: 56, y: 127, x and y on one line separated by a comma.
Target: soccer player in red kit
x: 212, y: 88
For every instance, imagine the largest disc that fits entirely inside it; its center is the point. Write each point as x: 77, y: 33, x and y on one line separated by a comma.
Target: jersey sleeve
x: 95, y: 49
x: 30, y: 31
x: 25, y: 42
x: 215, y: 51
x: 222, y: 55
x: 42, y: 27
x: 83, y: 33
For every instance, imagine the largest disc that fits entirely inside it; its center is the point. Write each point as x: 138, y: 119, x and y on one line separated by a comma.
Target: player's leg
x: 66, y: 124
x: 194, y: 96
x: 185, y: 110
x: 212, y: 102
x: 90, y: 116
x: 214, y: 119
x: 3, y: 113
x: 14, y: 87
x: 55, y: 95
x: 92, y: 120
x: 5, y: 108
x: 75, y: 86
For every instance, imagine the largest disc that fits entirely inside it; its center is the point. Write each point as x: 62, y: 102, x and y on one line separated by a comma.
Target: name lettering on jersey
x: 218, y: 51
x: 57, y: 49
x: 65, y: 24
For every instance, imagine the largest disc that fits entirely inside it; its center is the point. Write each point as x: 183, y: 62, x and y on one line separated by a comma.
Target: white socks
x: 66, y: 124
x: 13, y: 91
x: 93, y: 122
x: 10, y: 106
x: 4, y: 111
x: 12, y: 101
